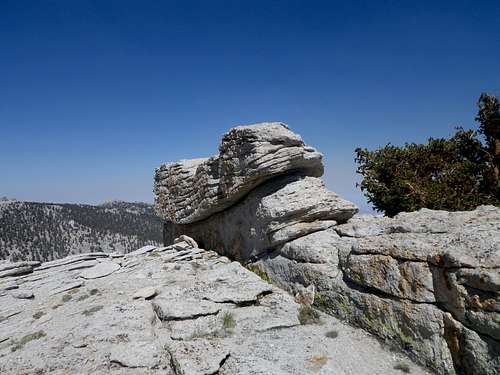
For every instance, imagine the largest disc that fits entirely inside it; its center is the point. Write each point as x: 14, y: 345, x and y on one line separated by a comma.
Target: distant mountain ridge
x: 47, y: 231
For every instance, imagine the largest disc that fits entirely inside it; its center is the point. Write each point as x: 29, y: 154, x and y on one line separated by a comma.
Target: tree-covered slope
x: 46, y: 231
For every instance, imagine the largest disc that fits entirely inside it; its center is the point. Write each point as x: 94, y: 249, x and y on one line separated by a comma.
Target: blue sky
x: 95, y: 94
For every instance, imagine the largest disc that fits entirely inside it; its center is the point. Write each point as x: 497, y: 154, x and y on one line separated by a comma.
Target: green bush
x: 459, y: 173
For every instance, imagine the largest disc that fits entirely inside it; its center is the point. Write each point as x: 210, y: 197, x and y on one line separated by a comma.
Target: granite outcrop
x: 176, y: 310
x: 426, y: 282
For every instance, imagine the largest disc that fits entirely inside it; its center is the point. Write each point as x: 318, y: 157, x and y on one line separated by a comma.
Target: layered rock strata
x: 191, y: 190
x: 426, y: 281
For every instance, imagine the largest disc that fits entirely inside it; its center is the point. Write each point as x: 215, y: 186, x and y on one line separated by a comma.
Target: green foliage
x: 320, y: 301
x: 45, y: 231
x: 308, y: 315
x: 450, y: 174
x: 489, y: 120
x: 259, y: 272
x: 228, y: 322
x: 345, y: 306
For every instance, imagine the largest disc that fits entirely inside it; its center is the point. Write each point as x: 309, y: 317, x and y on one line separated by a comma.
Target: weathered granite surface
x: 191, y: 190
x: 173, y: 310
x: 426, y: 281
x: 435, y: 293
x: 276, y: 212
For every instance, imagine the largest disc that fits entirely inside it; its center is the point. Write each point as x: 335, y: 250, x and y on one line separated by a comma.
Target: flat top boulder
x: 191, y: 190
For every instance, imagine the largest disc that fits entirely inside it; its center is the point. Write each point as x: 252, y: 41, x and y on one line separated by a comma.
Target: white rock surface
x: 23, y: 294
x: 147, y: 292
x: 101, y: 269
x: 96, y: 328
x: 142, y: 250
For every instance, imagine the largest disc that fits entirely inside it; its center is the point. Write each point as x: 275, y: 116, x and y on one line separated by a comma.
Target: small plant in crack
x: 228, y: 321
x: 259, y: 272
x: 308, y: 315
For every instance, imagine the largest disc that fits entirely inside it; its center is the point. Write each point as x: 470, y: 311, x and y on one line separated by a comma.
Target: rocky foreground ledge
x: 427, y: 282
x: 172, y: 310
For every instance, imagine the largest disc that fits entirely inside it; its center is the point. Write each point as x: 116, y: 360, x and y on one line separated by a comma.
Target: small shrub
x: 308, y: 315
x: 320, y: 301
x: 38, y: 315
x: 345, y: 306
x: 154, y: 254
x: 92, y: 310
x: 259, y: 272
x: 406, y: 340
x: 402, y: 367
x: 67, y: 297
x: 93, y: 292
x: 26, y: 339
x: 228, y: 322
x: 332, y: 334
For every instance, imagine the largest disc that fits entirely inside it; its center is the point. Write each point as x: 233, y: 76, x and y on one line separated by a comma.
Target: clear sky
x: 95, y: 94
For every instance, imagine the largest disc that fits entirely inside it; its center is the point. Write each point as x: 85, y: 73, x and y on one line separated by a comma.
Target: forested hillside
x: 46, y: 231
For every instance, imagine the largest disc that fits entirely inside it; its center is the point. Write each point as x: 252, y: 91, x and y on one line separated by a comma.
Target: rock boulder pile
x: 426, y: 281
